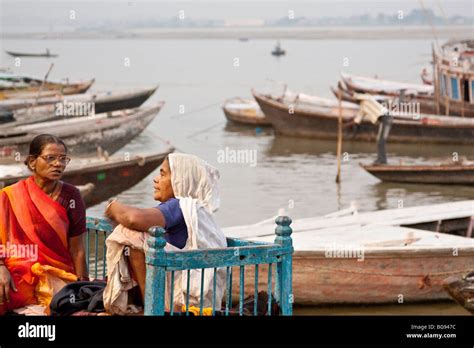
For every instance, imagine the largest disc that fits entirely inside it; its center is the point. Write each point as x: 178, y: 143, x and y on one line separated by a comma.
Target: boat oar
x: 339, y: 137
x: 44, y: 82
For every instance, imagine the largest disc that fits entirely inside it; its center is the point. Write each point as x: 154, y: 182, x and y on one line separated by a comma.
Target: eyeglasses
x: 50, y: 159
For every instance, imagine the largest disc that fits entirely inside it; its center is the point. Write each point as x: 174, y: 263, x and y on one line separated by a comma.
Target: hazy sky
x: 46, y: 12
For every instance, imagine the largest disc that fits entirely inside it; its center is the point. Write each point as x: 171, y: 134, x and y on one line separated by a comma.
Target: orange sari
x: 29, y: 217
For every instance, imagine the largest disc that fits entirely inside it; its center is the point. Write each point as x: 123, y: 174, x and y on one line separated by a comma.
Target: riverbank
x: 306, y: 33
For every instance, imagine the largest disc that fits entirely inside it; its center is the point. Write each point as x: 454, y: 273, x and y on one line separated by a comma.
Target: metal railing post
x: 155, y: 272
x: 284, y: 281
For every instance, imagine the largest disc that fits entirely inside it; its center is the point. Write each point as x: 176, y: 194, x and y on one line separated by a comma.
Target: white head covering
x: 192, y: 177
x: 194, y: 183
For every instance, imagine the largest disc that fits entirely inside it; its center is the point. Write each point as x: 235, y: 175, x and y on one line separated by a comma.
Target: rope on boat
x: 437, y: 274
x: 202, y: 108
x: 204, y: 130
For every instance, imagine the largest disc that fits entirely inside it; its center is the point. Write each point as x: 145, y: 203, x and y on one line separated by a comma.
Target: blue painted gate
x: 275, y: 257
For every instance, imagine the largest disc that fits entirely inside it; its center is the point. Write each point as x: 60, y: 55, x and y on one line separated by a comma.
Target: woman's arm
x: 77, y: 251
x: 135, y: 218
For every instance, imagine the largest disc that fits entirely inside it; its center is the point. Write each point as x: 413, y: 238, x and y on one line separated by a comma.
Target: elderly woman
x: 43, y: 212
x: 188, y: 192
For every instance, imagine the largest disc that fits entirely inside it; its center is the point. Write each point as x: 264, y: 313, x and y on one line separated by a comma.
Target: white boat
x: 369, y: 85
x: 375, y: 257
x: 244, y: 111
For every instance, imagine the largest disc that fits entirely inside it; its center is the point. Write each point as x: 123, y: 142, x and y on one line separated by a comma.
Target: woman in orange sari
x: 42, y: 215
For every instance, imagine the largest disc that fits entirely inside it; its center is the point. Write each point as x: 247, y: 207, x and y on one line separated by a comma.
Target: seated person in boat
x: 188, y: 192
x: 42, y: 222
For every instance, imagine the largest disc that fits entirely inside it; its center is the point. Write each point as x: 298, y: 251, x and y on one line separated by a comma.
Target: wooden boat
x: 109, y: 177
x: 82, y: 135
x: 278, y: 51
x: 361, y: 84
x: 73, y: 105
x: 244, y: 111
x: 452, y: 89
x: 461, y: 289
x: 374, y: 257
x: 35, y: 92
x: 461, y: 174
x: 10, y: 81
x: 292, y: 117
x: 47, y: 54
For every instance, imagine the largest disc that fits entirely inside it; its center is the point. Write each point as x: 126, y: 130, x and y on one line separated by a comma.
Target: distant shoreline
x: 301, y: 33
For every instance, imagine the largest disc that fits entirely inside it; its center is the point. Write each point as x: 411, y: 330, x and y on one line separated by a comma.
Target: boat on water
x: 318, y: 118
x: 361, y: 84
x: 278, y: 51
x: 82, y: 135
x: 445, y: 174
x: 386, y: 256
x: 72, y: 105
x: 14, y: 82
x: 244, y: 111
x: 39, y: 92
x: 47, y: 54
x: 452, y: 89
x: 98, y: 178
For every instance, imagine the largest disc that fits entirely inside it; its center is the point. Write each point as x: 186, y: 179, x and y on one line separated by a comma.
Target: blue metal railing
x: 270, y: 257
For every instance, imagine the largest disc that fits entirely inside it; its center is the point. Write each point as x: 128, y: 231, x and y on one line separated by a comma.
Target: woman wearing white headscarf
x: 188, y: 192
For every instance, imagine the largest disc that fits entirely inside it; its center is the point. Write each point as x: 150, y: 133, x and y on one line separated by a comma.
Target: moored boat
x: 374, y: 257
x: 293, y: 117
x: 452, y: 89
x: 244, y: 111
x: 71, y: 106
x: 82, y: 135
x: 448, y: 174
x: 39, y: 92
x: 108, y: 177
x: 361, y: 84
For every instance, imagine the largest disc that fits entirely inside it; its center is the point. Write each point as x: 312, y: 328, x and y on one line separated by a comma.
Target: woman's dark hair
x: 39, y: 143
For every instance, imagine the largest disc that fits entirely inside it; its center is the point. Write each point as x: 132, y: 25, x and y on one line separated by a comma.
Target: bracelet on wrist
x: 110, y: 203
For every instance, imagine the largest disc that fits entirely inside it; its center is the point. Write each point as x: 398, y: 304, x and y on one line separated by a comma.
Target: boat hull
x: 110, y: 180
x: 110, y: 134
x: 447, y: 175
x: 31, y: 55
x: 324, y: 125
x: 106, y: 179
x: 53, y: 91
x: 381, y: 278
x: 101, y: 104
x: 428, y: 103
x: 239, y: 118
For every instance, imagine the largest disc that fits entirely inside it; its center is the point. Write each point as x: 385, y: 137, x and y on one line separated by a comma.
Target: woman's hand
x: 5, y: 283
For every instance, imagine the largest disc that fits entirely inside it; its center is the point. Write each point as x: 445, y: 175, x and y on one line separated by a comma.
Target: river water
x: 197, y: 76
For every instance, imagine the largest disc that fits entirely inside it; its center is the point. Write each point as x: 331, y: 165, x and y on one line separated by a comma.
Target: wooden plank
x: 377, y: 238
x: 394, y: 217
x: 212, y: 258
